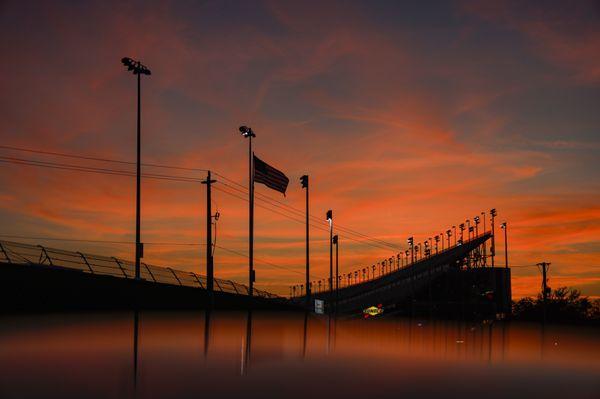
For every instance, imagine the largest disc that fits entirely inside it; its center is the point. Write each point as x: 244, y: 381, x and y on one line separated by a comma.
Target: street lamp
x: 505, y: 228
x: 484, y: 242
x: 411, y: 241
x: 138, y: 69
x: 329, y: 217
x: 493, y: 248
x: 304, y: 183
x: 248, y: 133
x: 335, y: 241
x: 454, y: 228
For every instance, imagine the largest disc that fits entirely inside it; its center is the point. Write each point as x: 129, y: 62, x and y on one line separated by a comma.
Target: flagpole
x: 251, y: 218
x: 248, y: 133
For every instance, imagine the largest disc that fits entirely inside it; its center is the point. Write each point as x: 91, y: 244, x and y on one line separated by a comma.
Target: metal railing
x: 27, y: 254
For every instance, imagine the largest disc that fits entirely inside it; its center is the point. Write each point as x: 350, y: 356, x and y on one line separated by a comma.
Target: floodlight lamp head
x: 247, y: 131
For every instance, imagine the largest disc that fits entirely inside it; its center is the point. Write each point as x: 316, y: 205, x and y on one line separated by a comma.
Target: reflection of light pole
x: 505, y: 228
x: 138, y: 69
x: 248, y: 133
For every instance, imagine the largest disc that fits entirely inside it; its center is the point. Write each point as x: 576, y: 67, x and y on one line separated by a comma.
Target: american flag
x: 269, y: 176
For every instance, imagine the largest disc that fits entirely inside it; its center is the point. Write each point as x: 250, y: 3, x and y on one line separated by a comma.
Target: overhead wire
x: 263, y: 196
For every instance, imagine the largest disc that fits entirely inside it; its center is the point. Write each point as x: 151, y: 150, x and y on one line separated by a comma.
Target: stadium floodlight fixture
x: 136, y: 67
x: 247, y: 131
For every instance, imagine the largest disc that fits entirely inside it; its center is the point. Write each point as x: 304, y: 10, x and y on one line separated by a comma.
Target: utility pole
x: 209, y: 244
x: 304, y: 182
x: 544, y: 268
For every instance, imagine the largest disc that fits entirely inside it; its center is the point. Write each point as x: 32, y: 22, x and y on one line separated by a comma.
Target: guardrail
x: 27, y: 254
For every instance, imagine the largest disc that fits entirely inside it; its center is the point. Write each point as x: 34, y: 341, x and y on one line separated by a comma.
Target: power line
x: 106, y: 171
x: 301, y: 213
x: 181, y: 178
x: 60, y: 154
x: 300, y: 220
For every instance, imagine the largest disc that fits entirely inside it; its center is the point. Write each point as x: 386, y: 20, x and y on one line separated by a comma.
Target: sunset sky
x: 408, y: 117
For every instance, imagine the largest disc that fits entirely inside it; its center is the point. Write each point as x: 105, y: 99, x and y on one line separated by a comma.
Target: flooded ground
x: 276, y: 355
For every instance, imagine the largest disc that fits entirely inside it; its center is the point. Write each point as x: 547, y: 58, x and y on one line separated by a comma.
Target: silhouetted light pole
x: 493, y: 248
x: 437, y: 240
x: 337, y: 274
x: 304, y: 182
x: 138, y: 69
x: 330, y: 220
x: 454, y: 228
x: 505, y: 228
x: 248, y: 133
x: 448, y: 234
x: 411, y: 242
x: 484, y: 242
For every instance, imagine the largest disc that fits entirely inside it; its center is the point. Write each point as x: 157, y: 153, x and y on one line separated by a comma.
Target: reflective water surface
x: 263, y: 355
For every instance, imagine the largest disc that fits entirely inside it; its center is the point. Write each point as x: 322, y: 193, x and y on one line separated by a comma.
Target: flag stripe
x: 269, y: 176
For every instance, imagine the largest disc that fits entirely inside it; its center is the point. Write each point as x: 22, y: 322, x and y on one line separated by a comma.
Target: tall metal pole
x: 330, y: 213
x: 505, y: 227
x: 484, y: 242
x: 138, y: 245
x: 251, y: 219
x: 336, y: 240
x: 304, y: 180
x: 454, y: 228
x: 493, y: 247
x: 209, y: 245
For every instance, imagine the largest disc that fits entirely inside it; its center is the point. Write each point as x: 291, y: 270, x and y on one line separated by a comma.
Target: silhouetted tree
x: 564, y: 305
